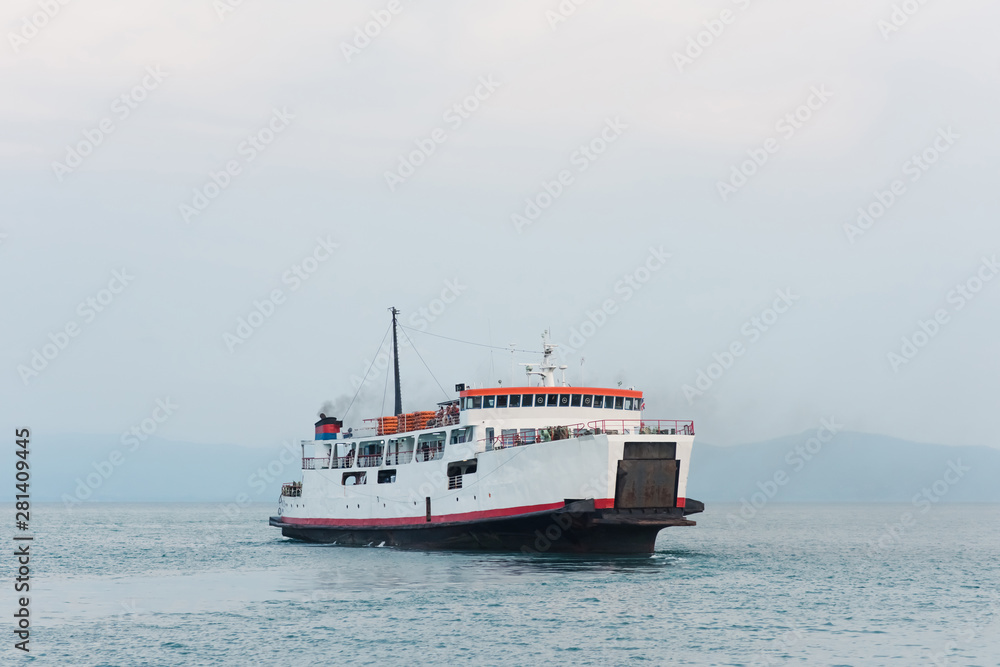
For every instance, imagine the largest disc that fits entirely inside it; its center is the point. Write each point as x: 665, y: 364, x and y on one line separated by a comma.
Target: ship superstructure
x: 540, y: 468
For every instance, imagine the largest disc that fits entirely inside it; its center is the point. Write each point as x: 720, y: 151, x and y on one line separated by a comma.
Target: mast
x: 395, y: 362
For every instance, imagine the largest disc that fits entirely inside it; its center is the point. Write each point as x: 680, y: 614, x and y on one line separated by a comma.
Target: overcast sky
x: 628, y: 125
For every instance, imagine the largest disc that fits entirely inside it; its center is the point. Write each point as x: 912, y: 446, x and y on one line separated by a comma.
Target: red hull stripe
x: 445, y: 518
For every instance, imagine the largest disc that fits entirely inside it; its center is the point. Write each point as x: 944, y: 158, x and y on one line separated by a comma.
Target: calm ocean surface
x: 795, y: 585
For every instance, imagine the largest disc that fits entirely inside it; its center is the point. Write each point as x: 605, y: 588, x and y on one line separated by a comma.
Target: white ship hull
x: 593, y: 492
x: 535, y: 468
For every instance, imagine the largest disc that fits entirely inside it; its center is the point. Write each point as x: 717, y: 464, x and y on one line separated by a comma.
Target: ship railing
x: 292, y: 490
x: 323, y: 462
x: 446, y: 420
x: 642, y: 426
x: 315, y: 463
x: 432, y: 452
x: 603, y: 426
x: 343, y: 461
x: 531, y: 436
x: 397, y: 458
x: 369, y: 460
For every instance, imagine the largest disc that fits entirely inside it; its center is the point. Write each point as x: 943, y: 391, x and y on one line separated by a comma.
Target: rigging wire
x: 468, y: 342
x: 365, y: 378
x: 426, y: 366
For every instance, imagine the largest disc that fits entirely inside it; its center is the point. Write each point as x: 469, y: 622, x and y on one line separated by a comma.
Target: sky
x: 761, y: 214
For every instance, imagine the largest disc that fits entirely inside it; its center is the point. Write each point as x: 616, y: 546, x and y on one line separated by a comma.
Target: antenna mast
x: 395, y: 361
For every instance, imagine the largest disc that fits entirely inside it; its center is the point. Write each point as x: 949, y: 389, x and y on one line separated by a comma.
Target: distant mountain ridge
x: 850, y: 467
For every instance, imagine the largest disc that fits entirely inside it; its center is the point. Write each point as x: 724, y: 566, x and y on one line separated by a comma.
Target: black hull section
x: 576, y: 528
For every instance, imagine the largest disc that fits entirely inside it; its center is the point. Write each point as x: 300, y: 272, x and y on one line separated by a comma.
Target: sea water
x: 178, y: 584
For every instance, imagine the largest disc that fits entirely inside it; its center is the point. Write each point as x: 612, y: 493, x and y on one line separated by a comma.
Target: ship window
x: 628, y: 403
x: 619, y: 402
x: 637, y: 404
x: 514, y: 401
x: 575, y: 400
x: 527, y: 400
x: 353, y: 478
x: 473, y: 402
x: 609, y: 402
x: 588, y: 401
x: 430, y: 446
x: 527, y: 436
x: 489, y: 401
x: 553, y: 399
x: 540, y: 400
x: 370, y: 453
x: 564, y: 400
x: 501, y: 401
x: 598, y: 401
x: 463, y: 434
x: 386, y: 476
x: 400, y: 451
x: 462, y: 467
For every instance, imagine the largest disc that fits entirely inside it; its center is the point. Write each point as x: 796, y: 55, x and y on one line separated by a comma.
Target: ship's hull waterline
x: 575, y: 528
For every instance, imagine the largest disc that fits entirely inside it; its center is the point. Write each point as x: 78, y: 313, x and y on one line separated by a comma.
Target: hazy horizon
x: 683, y: 217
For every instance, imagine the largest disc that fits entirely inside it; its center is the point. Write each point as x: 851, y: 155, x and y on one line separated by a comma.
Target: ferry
x: 545, y: 467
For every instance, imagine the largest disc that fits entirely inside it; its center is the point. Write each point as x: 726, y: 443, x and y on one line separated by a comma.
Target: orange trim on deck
x: 509, y: 391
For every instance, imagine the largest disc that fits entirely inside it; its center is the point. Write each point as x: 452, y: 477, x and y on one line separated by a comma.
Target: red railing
x: 529, y: 436
x: 607, y: 426
x: 642, y: 427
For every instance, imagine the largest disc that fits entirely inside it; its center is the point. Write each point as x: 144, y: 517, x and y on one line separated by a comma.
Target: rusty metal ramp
x: 647, y: 476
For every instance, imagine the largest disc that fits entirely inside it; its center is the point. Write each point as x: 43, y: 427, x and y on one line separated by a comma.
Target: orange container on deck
x: 387, y: 426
